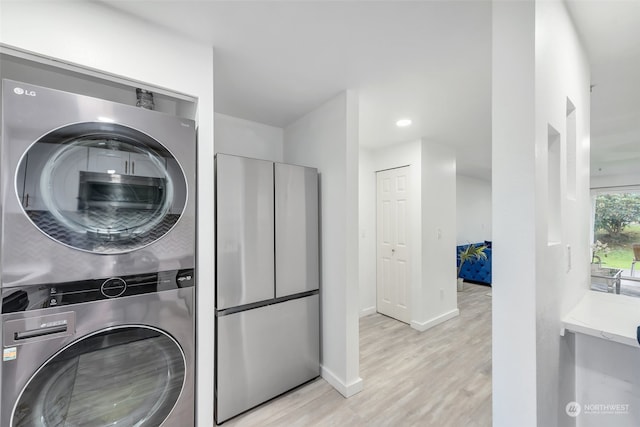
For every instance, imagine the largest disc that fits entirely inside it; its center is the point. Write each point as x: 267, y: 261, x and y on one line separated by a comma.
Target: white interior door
x: 393, y: 273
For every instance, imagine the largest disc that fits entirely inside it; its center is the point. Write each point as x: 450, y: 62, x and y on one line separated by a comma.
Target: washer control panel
x: 35, y: 297
x: 114, y: 287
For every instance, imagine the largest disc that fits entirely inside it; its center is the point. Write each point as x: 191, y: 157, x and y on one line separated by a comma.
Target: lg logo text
x: 20, y: 91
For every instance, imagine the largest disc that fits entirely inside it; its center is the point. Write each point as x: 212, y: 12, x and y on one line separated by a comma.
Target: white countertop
x: 608, y: 316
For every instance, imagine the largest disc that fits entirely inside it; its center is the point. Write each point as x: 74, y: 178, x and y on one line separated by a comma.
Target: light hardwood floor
x: 441, y: 377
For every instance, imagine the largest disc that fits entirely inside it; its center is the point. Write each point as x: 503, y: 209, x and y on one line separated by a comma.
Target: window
x: 616, y: 224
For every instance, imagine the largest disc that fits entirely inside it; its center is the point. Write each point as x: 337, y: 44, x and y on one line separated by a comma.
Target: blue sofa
x: 476, y: 271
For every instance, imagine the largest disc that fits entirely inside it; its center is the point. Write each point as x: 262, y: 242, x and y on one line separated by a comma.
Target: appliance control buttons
x: 114, y: 287
x: 184, y: 278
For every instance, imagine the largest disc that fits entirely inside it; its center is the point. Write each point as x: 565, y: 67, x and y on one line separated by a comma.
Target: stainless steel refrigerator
x: 267, y: 281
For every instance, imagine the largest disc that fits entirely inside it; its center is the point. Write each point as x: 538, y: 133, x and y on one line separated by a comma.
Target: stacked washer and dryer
x: 97, y: 263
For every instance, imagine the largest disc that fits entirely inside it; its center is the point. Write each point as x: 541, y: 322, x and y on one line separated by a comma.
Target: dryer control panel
x: 36, y: 297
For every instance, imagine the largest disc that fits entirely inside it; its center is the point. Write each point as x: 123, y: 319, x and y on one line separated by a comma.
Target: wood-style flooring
x: 440, y: 378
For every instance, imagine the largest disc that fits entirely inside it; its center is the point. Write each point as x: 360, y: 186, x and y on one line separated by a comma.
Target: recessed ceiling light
x: 403, y: 123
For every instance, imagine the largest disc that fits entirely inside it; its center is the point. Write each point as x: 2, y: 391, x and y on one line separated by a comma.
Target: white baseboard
x: 367, y: 311
x: 347, y: 390
x: 423, y: 326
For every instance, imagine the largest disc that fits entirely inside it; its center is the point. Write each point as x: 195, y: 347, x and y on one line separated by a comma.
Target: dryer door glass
x: 127, y: 376
x: 101, y: 187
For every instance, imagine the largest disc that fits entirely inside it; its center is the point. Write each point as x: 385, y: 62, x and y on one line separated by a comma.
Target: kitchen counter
x: 607, y: 316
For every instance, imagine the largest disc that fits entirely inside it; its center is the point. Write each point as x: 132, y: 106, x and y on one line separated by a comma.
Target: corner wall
x: 395, y: 156
x: 437, y: 299
x: 97, y: 37
x: 562, y: 260
x: 245, y: 138
x: 514, y: 219
x: 540, y: 224
x: 432, y: 226
x: 327, y: 139
x: 473, y: 210
x: 367, y: 227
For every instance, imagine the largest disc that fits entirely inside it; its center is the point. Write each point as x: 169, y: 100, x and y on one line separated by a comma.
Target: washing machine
x: 104, y: 352
x: 92, y: 188
x: 97, y: 262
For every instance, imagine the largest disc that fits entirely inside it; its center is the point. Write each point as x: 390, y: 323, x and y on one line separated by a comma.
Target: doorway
x: 392, y: 250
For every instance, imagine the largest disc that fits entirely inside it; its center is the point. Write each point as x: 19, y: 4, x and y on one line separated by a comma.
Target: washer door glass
x: 127, y: 376
x: 101, y: 187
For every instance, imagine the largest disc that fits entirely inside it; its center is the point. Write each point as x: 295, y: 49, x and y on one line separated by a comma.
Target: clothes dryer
x: 92, y: 188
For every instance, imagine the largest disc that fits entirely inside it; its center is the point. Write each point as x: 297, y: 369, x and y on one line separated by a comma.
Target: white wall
x: 437, y: 300
x: 473, y: 210
x: 614, y: 180
x: 513, y: 222
x: 607, y: 373
x: 537, y: 63
x: 406, y: 154
x: 248, y: 139
x: 327, y: 139
x: 432, y: 227
x: 562, y: 71
x: 97, y: 37
x: 367, y: 224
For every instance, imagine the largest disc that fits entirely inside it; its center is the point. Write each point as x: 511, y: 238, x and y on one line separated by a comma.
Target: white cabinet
x: 108, y: 161
x: 29, y: 178
x: 123, y: 162
x: 28, y: 182
x: 142, y: 165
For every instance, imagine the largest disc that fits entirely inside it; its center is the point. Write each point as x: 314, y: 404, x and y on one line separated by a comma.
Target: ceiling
x: 610, y: 31
x: 426, y: 60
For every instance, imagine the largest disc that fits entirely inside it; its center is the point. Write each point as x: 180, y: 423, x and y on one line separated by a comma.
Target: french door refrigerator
x: 267, y: 281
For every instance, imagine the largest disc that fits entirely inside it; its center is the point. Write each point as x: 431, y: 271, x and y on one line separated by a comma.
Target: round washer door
x: 124, y: 376
x: 101, y: 187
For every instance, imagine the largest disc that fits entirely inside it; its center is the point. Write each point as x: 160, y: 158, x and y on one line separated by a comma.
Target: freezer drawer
x: 264, y: 352
x: 244, y: 231
x: 296, y: 193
